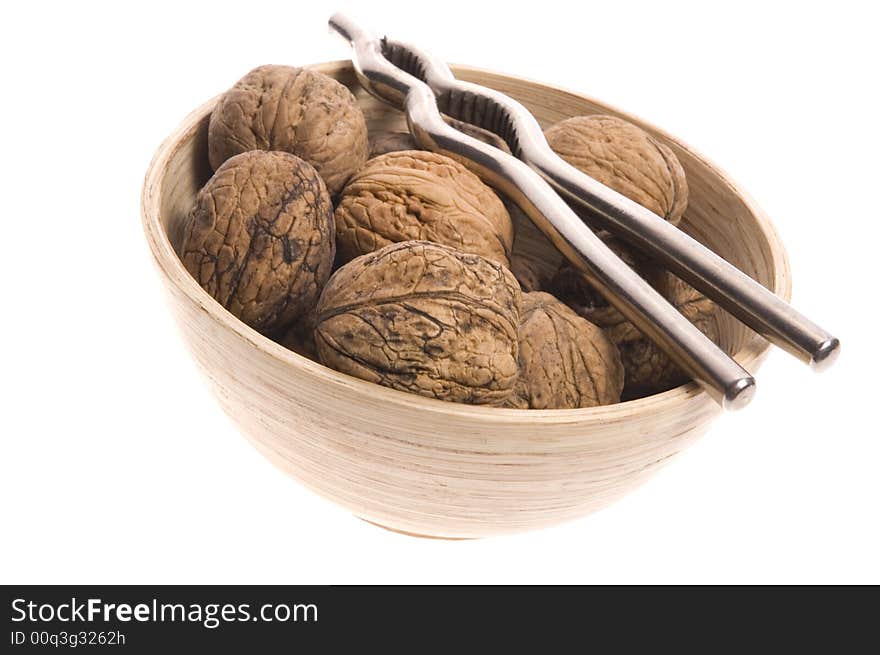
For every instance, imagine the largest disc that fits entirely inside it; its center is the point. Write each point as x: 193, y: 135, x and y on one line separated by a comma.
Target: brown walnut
x: 565, y: 362
x: 294, y: 110
x: 424, y: 318
x: 626, y: 158
x: 648, y: 369
x: 260, y: 238
x: 418, y: 195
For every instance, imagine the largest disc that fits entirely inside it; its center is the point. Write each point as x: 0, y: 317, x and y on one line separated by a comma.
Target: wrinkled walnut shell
x: 260, y: 238
x: 626, y: 158
x: 565, y: 362
x: 294, y: 110
x: 423, y: 318
x: 418, y: 195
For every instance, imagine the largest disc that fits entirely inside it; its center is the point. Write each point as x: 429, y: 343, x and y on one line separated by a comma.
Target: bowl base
x: 415, y: 534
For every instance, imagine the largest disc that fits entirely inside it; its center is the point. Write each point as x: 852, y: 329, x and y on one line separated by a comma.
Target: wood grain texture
x: 429, y: 467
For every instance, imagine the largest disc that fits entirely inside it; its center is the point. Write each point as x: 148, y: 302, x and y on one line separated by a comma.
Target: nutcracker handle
x: 722, y: 377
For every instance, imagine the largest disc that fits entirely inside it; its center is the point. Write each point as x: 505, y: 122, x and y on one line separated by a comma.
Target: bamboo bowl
x: 433, y: 468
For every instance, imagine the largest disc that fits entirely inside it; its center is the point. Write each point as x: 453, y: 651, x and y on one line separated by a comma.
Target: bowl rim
x: 172, y: 268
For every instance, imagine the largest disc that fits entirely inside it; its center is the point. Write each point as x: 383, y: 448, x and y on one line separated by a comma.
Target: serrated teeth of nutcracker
x: 464, y: 101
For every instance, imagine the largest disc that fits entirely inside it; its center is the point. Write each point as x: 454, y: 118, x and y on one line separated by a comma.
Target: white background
x: 117, y: 466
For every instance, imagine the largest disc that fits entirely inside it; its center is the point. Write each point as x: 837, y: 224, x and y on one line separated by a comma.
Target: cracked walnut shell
x: 418, y: 195
x: 294, y: 110
x: 565, y: 362
x: 626, y: 158
x: 260, y: 238
x: 424, y: 318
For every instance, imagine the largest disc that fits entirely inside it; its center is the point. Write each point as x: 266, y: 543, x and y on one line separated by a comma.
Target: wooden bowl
x: 424, y: 466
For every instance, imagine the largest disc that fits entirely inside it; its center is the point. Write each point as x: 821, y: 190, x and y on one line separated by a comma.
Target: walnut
x: 295, y: 110
x: 424, y: 318
x: 565, y: 362
x: 260, y: 238
x: 648, y: 369
x: 402, y: 196
x: 385, y: 142
x: 626, y: 158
